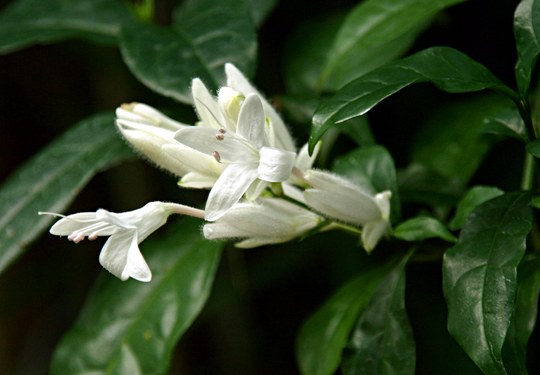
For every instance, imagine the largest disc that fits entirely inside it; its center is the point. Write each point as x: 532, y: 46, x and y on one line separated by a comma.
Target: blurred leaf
x: 260, y: 9
x: 480, y: 277
x: 306, y: 51
x: 204, y: 36
x: 533, y: 148
x: 132, y: 327
x: 51, y: 179
x: 382, y: 342
x: 374, y: 33
x: 448, y: 69
x: 420, y: 184
x: 324, y: 335
x: 452, y: 142
x: 421, y: 228
x: 527, y: 34
x: 472, y: 198
x: 507, y: 122
x: 26, y: 22
x: 373, y: 168
x: 525, y: 313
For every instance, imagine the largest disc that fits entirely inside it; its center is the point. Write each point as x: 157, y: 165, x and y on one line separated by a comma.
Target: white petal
x: 146, y: 115
x: 113, y: 256
x: 231, y: 148
x: 207, y: 106
x: 372, y: 232
x: 303, y: 160
x: 193, y: 160
x: 350, y: 208
x: 228, y: 189
x: 383, y: 201
x: 71, y: 223
x: 196, y: 180
x: 237, y: 81
x: 256, y: 189
x: 251, y: 121
x: 275, y: 165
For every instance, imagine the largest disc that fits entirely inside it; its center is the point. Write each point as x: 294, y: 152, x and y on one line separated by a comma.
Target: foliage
x: 450, y: 142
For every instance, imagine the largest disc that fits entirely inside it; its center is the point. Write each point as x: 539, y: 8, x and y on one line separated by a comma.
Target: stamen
x: 76, y: 237
x: 222, y: 130
x: 216, y: 156
x: 220, y: 137
x: 93, y: 236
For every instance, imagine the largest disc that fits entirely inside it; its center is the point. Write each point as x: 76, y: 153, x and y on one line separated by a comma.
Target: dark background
x: 261, y: 296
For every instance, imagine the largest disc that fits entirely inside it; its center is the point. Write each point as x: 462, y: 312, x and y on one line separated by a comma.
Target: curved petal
x: 230, y: 148
x: 251, y: 121
x: 71, y: 223
x: 207, y: 106
x: 228, y: 189
x: 193, y: 160
x: 275, y: 165
x: 114, y: 255
x: 237, y: 81
x: 372, y: 232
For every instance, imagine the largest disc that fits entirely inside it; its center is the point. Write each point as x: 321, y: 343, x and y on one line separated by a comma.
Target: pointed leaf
x: 374, y: 33
x: 454, y: 134
x: 472, y: 198
x: 324, y: 335
x: 533, y: 148
x: 205, y: 35
x: 382, y: 342
x: 527, y: 34
x: 421, y: 228
x: 132, y: 327
x: 507, y: 122
x: 524, y: 318
x: 51, y: 179
x: 373, y: 168
x: 448, y: 69
x: 25, y: 22
x: 480, y: 277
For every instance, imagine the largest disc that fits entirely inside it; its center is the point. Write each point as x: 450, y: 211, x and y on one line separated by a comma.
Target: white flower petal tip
x: 121, y: 255
x: 267, y: 221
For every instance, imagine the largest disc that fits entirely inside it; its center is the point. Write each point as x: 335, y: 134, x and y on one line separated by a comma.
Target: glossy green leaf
x: 204, y: 36
x: 527, y: 34
x: 51, y: 179
x: 374, y: 33
x: 507, y: 122
x: 324, y: 335
x: 373, y: 168
x: 472, y: 198
x: 524, y: 318
x: 480, y: 277
x: 533, y: 148
x: 421, y: 228
x: 306, y: 51
x: 382, y: 341
x: 132, y: 327
x: 446, y: 68
x: 452, y: 141
x: 26, y: 22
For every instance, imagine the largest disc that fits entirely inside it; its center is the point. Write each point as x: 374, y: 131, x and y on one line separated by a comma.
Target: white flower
x: 278, y: 136
x: 268, y: 221
x: 246, y: 155
x: 120, y: 255
x: 152, y: 133
x: 341, y: 199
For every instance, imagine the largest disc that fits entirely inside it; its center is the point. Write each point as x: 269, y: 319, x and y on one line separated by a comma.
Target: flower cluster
x: 263, y: 190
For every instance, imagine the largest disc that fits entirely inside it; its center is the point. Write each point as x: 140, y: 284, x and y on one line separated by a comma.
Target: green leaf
x: 306, y: 51
x: 446, y: 68
x: 51, y: 179
x: 524, y: 318
x: 205, y: 35
x: 507, y: 122
x: 324, y: 335
x: 480, y: 277
x: 452, y: 141
x: 260, y: 9
x: 382, y: 342
x: 421, y: 228
x: 373, y: 168
x: 26, y: 22
x: 472, y: 198
x: 132, y: 327
x: 527, y: 34
x: 533, y: 148
x: 374, y: 33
